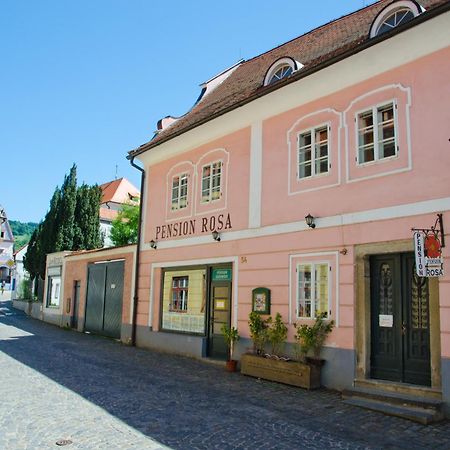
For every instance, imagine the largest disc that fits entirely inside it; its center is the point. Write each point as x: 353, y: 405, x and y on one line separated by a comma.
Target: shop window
x: 313, y: 293
x: 53, y: 291
x: 312, y: 154
x: 184, y: 300
x: 180, y: 191
x: 211, y: 182
x: 376, y: 133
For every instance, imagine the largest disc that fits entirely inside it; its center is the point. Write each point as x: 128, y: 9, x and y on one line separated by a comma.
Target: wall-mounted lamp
x: 153, y: 244
x: 216, y: 236
x: 309, y: 219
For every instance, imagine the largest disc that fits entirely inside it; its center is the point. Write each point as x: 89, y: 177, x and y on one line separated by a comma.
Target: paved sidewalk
x: 104, y: 395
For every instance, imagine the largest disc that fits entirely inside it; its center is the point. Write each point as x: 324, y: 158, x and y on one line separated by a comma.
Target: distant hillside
x: 22, y: 232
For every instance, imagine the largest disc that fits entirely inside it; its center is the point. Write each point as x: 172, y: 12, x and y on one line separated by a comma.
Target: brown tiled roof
x: 314, y: 49
x: 118, y: 191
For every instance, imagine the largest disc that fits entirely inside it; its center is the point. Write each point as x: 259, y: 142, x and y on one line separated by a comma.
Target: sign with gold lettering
x: 191, y: 227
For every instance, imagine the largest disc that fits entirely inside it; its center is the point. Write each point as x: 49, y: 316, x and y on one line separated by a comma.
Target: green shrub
x: 312, y: 337
x: 258, y: 332
x: 277, y: 334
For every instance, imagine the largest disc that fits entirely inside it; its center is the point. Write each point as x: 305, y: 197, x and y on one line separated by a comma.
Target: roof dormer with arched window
x: 280, y: 69
x: 394, y: 15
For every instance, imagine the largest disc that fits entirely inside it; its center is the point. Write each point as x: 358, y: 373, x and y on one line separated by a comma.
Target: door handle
x: 404, y: 328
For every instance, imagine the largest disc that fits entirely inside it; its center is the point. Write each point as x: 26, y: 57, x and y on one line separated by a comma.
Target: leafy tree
x: 124, y: 229
x: 22, y: 232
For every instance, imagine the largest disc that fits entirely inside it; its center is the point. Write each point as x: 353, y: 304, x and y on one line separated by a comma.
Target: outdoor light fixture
x: 310, y: 221
x: 153, y: 244
x: 216, y: 236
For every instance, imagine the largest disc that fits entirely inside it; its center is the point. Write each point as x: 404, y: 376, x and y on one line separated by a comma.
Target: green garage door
x: 104, y: 298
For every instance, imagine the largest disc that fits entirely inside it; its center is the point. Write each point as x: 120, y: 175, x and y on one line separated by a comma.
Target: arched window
x: 280, y: 69
x: 395, y: 14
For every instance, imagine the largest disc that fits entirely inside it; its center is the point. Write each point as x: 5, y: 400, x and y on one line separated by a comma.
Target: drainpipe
x: 136, y: 277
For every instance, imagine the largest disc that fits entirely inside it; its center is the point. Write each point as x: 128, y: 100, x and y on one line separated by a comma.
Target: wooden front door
x: 400, y: 330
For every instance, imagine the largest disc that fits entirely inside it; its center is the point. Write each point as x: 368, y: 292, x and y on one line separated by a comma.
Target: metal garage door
x: 104, y: 298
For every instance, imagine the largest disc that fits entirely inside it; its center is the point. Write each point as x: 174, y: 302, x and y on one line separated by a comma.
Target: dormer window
x: 394, y: 15
x: 281, y: 69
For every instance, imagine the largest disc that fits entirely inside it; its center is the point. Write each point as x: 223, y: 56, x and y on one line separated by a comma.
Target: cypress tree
x: 87, y: 218
x: 66, y: 212
x: 71, y: 223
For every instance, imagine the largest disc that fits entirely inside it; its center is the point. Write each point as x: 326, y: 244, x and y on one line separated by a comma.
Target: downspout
x: 136, y: 273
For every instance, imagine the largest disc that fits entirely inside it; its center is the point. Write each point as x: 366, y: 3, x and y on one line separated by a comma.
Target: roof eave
x: 427, y: 15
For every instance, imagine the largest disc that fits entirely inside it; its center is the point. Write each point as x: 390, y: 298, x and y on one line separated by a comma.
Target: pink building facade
x: 347, y: 124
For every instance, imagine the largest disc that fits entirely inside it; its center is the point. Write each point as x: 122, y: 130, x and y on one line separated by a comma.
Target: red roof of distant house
x: 119, y: 191
x: 315, y: 49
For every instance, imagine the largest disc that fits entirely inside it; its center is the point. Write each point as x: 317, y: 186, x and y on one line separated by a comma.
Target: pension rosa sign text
x: 428, y: 253
x: 193, y: 226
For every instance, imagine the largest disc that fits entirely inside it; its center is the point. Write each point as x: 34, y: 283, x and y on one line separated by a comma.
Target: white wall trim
x: 387, y: 213
x: 255, y: 179
x: 224, y: 182
x: 347, y: 124
x: 171, y: 174
x: 196, y: 262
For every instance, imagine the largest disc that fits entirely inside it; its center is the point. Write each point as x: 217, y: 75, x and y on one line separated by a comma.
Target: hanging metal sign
x: 428, y: 250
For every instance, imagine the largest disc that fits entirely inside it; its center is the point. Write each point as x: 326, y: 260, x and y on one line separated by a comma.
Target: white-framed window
x: 312, y: 155
x: 53, y: 291
x: 180, y: 191
x: 211, y: 182
x: 376, y: 133
x: 180, y: 290
x: 282, y: 72
x: 280, y: 69
x: 395, y: 14
x: 313, y: 289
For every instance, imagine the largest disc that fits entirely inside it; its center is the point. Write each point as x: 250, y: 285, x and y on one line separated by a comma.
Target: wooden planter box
x: 288, y: 372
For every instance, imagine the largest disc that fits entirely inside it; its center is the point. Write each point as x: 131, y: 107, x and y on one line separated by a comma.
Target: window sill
x: 377, y: 161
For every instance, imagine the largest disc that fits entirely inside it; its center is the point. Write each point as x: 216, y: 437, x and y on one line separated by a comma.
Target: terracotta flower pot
x: 231, y: 365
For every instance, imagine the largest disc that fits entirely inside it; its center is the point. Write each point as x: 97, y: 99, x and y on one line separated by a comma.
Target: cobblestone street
x: 99, y: 394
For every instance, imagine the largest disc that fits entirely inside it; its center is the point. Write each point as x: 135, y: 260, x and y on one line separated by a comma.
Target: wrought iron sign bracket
x: 437, y: 229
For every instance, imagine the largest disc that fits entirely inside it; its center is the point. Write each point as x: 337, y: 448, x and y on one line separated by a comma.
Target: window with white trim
x: 377, y: 133
x: 53, y: 290
x: 393, y: 15
x: 312, y: 155
x: 180, y: 191
x: 398, y: 17
x: 282, y: 72
x: 313, y: 289
x: 180, y: 289
x: 211, y: 182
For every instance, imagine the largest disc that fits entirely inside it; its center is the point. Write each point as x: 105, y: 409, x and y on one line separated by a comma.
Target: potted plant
x: 303, y: 373
x: 230, y: 335
x: 276, y: 335
x: 311, y: 338
x: 258, y: 332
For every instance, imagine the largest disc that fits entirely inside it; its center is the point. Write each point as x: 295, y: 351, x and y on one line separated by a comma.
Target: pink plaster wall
x: 264, y: 261
x: 234, y: 150
x: 429, y: 118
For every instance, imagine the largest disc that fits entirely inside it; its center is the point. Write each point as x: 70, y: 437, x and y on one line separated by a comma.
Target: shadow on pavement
x: 185, y: 403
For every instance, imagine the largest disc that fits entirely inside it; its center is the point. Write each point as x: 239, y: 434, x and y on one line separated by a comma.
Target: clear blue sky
x: 85, y: 81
